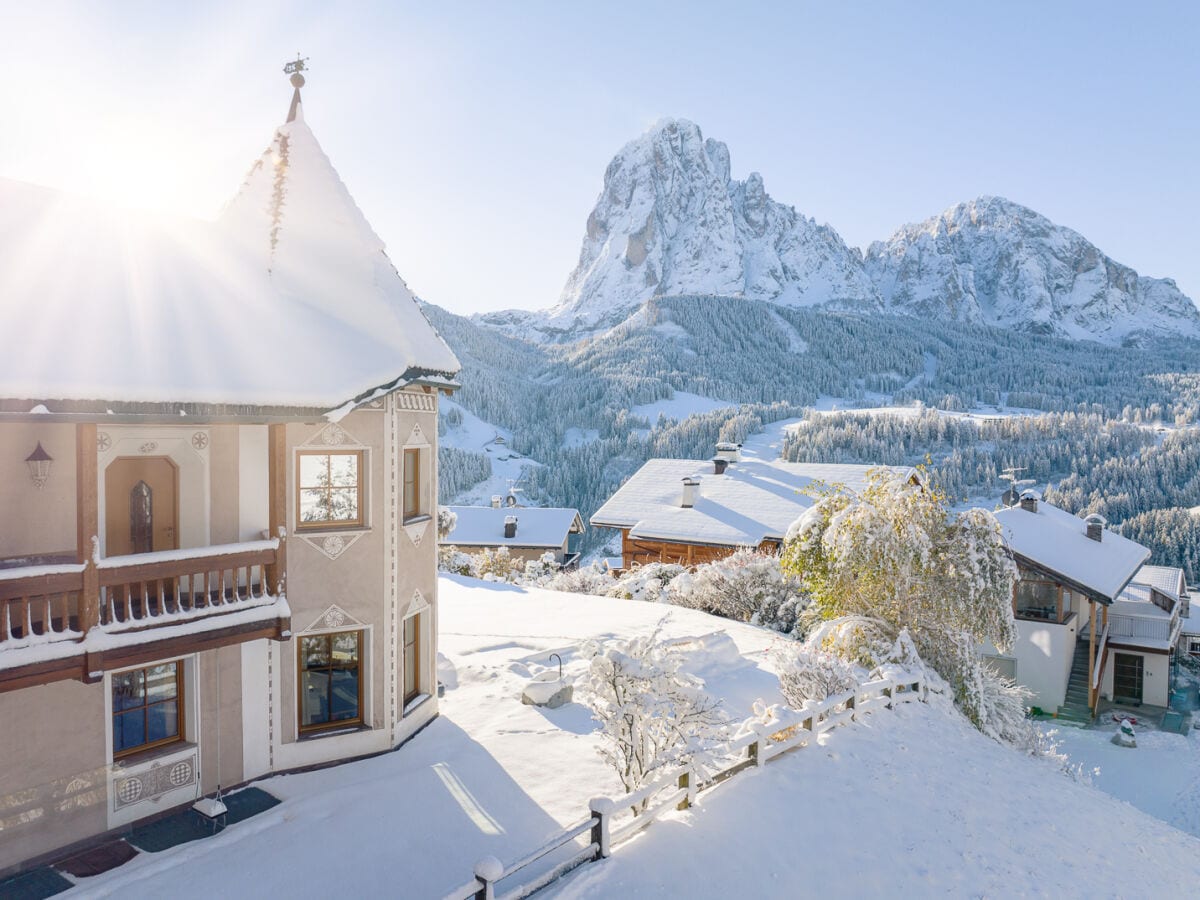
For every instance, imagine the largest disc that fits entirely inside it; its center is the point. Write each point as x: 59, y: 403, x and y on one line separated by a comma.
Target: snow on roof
x: 1135, y: 601
x: 287, y: 300
x: 1167, y: 580
x: 483, y: 526
x: 752, y: 501
x: 1057, y: 541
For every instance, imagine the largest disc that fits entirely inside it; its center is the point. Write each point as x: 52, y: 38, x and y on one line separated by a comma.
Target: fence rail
x: 615, y: 820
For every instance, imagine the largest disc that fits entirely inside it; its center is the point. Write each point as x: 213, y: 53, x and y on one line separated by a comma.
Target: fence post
x: 887, y: 692
x: 601, y: 809
x: 850, y: 705
x: 488, y: 871
x: 686, y: 781
x: 760, y: 746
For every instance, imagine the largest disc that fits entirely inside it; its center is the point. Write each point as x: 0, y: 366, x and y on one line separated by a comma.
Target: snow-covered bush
x: 894, y: 556
x: 648, y: 582
x: 748, y: 586
x: 812, y: 675
x: 446, y: 520
x: 453, y: 560
x: 498, y: 565
x: 538, y: 571
x: 652, y: 715
x: 593, y: 579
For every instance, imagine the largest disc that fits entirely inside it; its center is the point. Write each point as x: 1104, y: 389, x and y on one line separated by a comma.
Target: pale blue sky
x: 475, y: 135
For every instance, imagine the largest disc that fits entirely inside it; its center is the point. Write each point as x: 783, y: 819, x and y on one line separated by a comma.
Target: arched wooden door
x: 141, y: 505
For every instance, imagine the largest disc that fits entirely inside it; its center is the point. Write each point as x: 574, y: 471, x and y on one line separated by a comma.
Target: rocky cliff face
x: 670, y: 220
x: 996, y: 262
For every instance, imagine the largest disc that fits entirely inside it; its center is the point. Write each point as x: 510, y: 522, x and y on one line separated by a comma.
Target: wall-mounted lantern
x: 39, y: 465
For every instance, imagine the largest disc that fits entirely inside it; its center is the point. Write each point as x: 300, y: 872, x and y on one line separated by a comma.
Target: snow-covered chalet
x: 1095, y: 624
x: 218, y: 471
x: 692, y: 511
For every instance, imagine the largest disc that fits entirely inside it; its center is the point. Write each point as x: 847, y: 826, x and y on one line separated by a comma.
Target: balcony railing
x: 1124, y: 626
x: 117, y: 594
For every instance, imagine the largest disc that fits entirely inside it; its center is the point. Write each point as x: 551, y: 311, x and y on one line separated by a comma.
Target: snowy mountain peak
x: 671, y: 220
x: 996, y: 262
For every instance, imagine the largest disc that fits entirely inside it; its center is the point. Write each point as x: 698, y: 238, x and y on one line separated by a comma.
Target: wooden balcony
x: 81, y: 619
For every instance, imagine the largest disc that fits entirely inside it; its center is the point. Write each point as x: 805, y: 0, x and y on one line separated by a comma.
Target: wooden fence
x: 612, y: 821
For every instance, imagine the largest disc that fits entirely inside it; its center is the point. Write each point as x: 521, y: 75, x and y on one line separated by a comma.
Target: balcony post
x: 87, y: 522
x: 1091, y: 654
x: 277, y: 502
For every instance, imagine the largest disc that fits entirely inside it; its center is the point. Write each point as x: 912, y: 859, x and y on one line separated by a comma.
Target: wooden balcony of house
x: 78, y: 620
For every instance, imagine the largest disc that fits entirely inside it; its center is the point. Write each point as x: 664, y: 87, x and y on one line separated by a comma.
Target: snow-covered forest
x: 1089, y: 420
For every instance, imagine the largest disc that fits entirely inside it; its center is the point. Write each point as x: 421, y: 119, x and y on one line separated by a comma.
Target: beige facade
x: 239, y: 712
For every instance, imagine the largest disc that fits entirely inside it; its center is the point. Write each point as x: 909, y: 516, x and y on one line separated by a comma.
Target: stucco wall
x: 46, y: 515
x: 1044, y: 652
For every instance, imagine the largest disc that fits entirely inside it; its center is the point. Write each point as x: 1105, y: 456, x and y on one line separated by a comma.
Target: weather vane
x: 300, y: 64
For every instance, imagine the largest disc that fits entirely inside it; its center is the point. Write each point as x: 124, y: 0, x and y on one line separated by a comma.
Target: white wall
x: 1156, y: 676
x: 1044, y: 652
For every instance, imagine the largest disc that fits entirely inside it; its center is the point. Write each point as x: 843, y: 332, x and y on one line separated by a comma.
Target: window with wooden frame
x: 414, y: 495
x: 329, y: 489
x: 147, y: 708
x: 1038, y: 599
x: 330, y: 691
x: 412, y: 657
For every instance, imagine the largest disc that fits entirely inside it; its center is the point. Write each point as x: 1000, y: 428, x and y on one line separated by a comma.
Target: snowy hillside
x: 670, y: 220
x: 996, y: 262
x: 908, y: 802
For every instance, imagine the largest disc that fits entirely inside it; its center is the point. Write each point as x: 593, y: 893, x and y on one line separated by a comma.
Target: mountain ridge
x: 671, y: 221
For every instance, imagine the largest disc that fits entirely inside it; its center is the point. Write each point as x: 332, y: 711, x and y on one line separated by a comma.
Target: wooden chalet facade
x: 217, y: 540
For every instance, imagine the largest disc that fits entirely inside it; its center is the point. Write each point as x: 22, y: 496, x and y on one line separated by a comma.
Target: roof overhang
x: 1070, y: 582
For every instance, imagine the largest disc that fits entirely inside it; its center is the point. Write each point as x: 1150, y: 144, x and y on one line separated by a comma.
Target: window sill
x: 417, y: 520
x: 353, y: 728
x: 412, y: 704
x: 134, y: 760
x: 318, y: 530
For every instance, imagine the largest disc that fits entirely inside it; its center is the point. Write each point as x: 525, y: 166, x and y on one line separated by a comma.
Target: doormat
x: 33, y: 885
x: 97, y: 859
x: 189, y: 825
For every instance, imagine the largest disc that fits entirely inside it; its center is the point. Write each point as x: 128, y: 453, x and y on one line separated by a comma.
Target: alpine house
x: 217, y: 473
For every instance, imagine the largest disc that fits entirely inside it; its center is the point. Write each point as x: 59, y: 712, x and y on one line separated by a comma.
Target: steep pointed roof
x: 287, y: 300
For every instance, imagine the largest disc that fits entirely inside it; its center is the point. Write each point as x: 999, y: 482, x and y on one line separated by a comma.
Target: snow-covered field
x: 478, y: 436
x: 680, y: 406
x: 910, y: 802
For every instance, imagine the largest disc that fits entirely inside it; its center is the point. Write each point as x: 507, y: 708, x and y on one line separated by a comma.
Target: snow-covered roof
x: 752, y: 501
x: 288, y: 299
x: 1135, y: 600
x: 1057, y: 541
x: 1167, y: 580
x: 483, y: 526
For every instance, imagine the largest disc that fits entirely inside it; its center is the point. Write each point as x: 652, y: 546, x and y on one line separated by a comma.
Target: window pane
x: 129, y: 730
x: 314, y: 470
x: 127, y: 690
x: 410, y: 631
x: 163, y: 720
x: 345, y: 648
x: 344, y: 694
x: 161, y: 683
x: 314, y: 505
x: 1037, y: 599
x: 343, y: 505
x: 343, y: 470
x: 314, y: 698
x: 315, y: 651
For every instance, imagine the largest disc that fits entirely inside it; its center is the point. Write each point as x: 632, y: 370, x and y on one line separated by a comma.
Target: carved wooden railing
x: 123, y: 593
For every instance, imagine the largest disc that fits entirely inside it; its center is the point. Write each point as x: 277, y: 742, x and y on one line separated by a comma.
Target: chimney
x: 691, y: 490
x: 1095, y: 526
x: 497, y: 501
x: 510, y: 526
x: 1029, y: 500
x: 720, y: 464
x: 729, y: 451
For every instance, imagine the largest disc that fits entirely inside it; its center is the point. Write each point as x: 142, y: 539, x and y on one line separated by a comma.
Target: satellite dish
x: 1010, y: 497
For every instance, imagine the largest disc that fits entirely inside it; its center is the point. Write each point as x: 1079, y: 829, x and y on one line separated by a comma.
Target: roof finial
x: 300, y: 64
